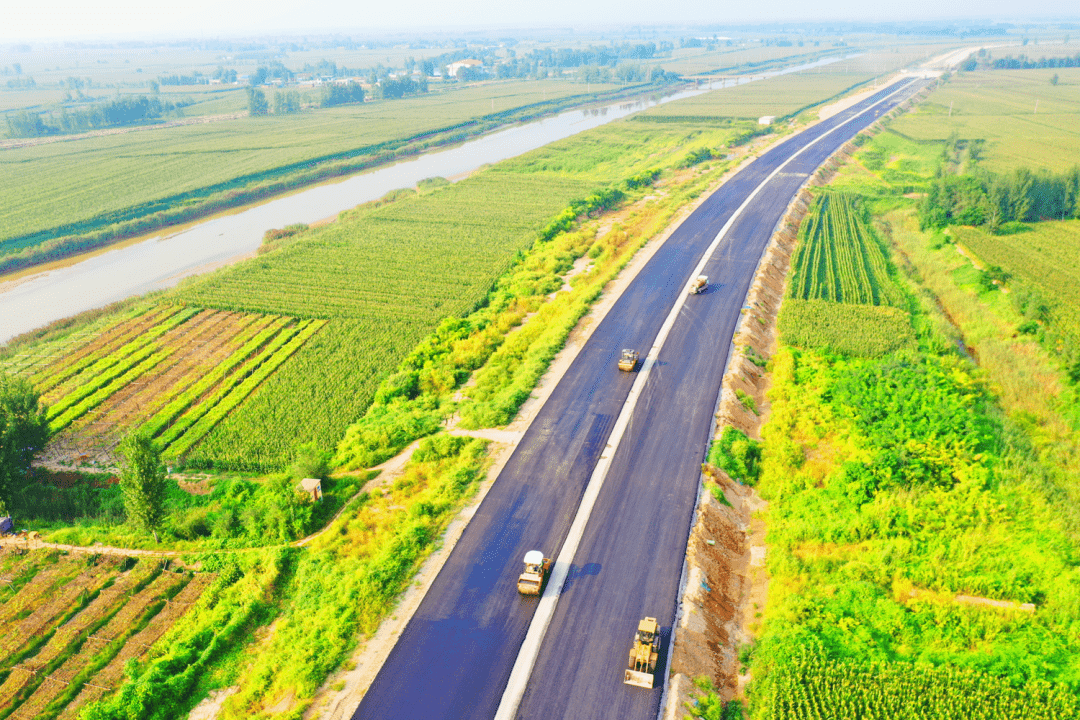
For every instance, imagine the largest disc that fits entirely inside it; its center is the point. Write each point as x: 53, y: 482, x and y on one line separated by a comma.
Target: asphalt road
x: 454, y: 657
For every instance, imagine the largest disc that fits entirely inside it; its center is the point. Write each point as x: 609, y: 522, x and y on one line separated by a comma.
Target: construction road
x: 454, y: 658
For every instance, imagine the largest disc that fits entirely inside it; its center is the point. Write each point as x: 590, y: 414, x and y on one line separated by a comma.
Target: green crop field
x: 102, y: 175
x: 173, y: 371
x: 1044, y: 256
x: 999, y: 107
x: 815, y: 689
x: 841, y: 291
x: 839, y: 258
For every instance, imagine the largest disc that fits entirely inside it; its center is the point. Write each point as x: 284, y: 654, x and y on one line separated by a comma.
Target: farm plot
x: 1024, y: 120
x: 135, y: 645
x: 172, y: 370
x: 47, y: 612
x: 60, y: 683
x: 383, y: 278
x: 33, y: 671
x: 839, y: 259
x: 66, y: 635
x: 840, y: 280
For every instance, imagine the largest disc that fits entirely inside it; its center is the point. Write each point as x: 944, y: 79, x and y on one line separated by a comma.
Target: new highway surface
x: 454, y: 658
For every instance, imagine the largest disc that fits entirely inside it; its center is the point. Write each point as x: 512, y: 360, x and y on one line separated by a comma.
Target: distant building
x: 766, y: 120
x: 452, y: 68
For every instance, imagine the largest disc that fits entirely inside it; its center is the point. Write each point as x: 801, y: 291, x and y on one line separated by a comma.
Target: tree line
x: 130, y: 110
x: 991, y: 199
x: 983, y: 61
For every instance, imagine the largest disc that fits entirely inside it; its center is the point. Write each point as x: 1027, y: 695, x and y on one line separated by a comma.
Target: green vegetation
x: 737, y: 455
x: 842, y: 294
x: 998, y: 108
x: 922, y: 524
x: 1042, y: 261
x: 813, y: 688
x: 23, y: 432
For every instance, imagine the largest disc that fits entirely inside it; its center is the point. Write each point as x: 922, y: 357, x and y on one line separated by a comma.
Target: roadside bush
x: 737, y: 455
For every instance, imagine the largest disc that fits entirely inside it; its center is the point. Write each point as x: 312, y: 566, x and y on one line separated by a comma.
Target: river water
x: 162, y: 260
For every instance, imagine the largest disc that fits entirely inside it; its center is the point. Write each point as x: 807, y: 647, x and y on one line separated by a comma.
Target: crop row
x: 816, y: 689
x: 385, y: 278
x: 105, y: 369
x: 839, y: 259
x: 95, y: 395
x: 126, y: 335
x: 47, y: 612
x: 99, y: 362
x: 316, y: 395
x: 67, y: 646
x: 213, y: 412
x: 252, y: 339
x: 124, y: 637
x: 210, y: 343
x: 45, y: 581
x: 32, y: 358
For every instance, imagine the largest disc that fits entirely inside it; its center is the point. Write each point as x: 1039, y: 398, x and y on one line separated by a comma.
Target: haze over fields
x: 119, y: 18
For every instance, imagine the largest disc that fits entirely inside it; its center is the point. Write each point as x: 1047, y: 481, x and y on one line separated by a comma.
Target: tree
x: 23, y: 432
x: 142, y: 481
x: 259, y: 76
x: 257, y: 104
x: 1054, y: 79
x: 286, y: 101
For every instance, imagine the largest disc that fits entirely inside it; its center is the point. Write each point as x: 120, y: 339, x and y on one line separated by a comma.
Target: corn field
x: 813, y: 688
x: 839, y: 259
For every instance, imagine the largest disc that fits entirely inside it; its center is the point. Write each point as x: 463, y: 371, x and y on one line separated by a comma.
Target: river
x: 162, y: 260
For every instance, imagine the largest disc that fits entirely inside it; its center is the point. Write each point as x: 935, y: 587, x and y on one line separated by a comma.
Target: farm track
x: 146, y: 394
x: 62, y: 677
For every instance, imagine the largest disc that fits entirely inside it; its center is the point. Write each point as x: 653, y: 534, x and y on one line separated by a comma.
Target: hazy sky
x: 33, y: 19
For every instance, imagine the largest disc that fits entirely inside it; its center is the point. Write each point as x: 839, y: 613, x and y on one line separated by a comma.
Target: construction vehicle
x: 537, y: 568
x: 643, y: 654
x: 628, y: 360
x: 698, y: 285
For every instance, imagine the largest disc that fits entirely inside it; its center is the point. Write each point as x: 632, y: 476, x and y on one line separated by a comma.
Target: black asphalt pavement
x: 454, y: 657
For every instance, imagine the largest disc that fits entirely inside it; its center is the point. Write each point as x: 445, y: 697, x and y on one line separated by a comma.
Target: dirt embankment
x: 725, y: 580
